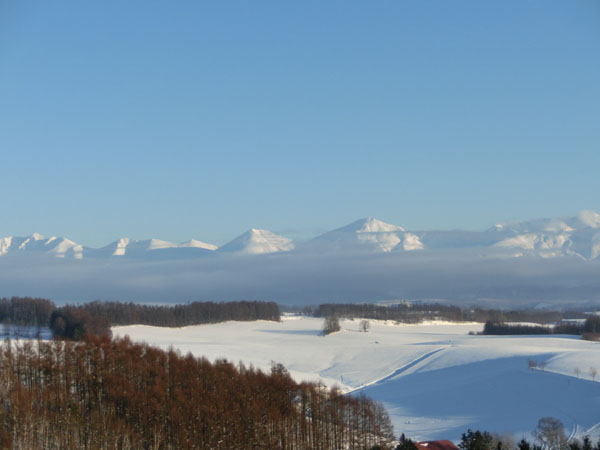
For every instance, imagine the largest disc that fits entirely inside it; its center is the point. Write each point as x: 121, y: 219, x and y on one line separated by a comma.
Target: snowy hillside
x: 256, y: 242
x: 369, y: 234
x: 435, y: 380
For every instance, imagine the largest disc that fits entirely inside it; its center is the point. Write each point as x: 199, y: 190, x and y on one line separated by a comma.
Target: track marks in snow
x: 399, y: 371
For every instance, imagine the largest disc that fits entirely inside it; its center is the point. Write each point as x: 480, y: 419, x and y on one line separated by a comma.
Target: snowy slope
x: 435, y: 380
x: 256, y: 241
x: 369, y: 234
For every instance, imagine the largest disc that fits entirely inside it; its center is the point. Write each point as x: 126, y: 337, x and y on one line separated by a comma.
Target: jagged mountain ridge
x: 38, y: 244
x: 577, y: 236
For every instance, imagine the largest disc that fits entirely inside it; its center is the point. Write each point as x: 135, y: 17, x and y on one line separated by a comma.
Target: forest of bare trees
x: 115, y: 394
x: 195, y: 313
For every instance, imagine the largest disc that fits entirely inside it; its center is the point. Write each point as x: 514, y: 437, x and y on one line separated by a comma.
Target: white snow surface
x: 435, y: 380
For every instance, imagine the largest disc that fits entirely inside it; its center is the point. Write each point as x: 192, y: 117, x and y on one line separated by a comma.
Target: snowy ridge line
x: 563, y: 374
x: 577, y: 236
x: 398, y: 371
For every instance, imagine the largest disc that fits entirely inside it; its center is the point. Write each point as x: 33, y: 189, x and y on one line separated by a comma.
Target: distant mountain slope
x: 545, y: 238
x: 151, y: 248
x: 369, y: 234
x: 576, y: 236
x: 257, y: 241
x: 38, y: 245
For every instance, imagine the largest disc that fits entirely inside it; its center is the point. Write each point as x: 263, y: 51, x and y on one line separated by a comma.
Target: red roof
x: 436, y: 445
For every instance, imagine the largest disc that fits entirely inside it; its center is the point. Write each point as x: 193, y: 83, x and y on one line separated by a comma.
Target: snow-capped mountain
x: 370, y: 234
x: 256, y: 241
x: 38, y: 244
x: 61, y: 247
x: 576, y: 236
x: 546, y: 238
x: 151, y: 248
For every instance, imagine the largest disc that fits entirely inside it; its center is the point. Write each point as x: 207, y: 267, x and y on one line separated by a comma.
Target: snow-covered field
x: 435, y: 380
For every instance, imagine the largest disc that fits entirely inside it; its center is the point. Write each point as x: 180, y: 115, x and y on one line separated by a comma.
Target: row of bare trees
x: 417, y: 312
x: 193, y: 313
x: 114, y: 394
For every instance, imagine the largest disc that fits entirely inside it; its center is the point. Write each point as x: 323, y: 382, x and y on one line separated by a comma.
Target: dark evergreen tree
x: 586, y: 443
x: 476, y: 440
x: 524, y: 445
x: 405, y: 443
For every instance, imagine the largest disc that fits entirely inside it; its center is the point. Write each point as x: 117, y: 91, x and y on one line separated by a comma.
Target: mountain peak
x: 373, y: 234
x: 370, y: 225
x: 256, y: 241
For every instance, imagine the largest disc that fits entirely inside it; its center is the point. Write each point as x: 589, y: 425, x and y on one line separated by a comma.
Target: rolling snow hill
x: 435, y: 380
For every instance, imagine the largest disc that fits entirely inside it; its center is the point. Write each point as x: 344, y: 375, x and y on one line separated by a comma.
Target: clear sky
x: 203, y: 119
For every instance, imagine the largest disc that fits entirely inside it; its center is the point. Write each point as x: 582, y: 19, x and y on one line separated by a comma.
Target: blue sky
x: 203, y: 119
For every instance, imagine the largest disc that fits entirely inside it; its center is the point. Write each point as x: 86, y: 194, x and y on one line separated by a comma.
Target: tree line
x: 114, y: 394
x: 75, y: 321
x: 590, y: 329
x: 419, y: 312
x: 195, y: 313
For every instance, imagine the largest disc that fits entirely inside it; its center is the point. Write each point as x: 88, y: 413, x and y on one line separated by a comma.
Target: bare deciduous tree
x: 531, y: 364
x: 551, y: 434
x: 593, y: 373
x: 331, y: 325
x: 364, y: 325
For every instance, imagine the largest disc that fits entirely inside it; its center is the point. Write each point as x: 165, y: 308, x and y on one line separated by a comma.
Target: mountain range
x: 546, y: 238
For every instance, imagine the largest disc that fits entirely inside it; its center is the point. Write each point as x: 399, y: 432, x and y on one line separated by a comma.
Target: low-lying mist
x: 305, y: 278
